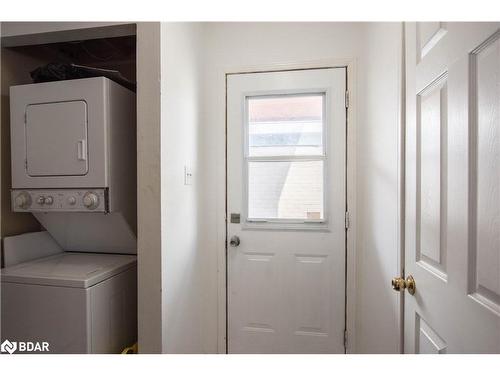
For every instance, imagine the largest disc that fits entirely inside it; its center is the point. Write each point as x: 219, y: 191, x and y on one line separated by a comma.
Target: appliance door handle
x: 82, y: 149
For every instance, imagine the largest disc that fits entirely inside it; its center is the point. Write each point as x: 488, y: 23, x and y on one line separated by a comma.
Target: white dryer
x: 73, y: 148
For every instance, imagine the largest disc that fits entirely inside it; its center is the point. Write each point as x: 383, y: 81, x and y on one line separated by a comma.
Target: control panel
x: 59, y: 200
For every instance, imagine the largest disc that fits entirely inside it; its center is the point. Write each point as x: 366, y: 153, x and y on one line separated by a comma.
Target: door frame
x: 351, y: 277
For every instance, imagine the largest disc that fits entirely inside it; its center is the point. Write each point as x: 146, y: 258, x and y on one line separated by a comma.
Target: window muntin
x: 285, y: 158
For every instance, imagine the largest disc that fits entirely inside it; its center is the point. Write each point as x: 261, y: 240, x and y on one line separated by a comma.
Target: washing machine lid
x: 74, y: 270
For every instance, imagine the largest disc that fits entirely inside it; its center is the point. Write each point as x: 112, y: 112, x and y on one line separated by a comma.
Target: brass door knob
x: 399, y: 284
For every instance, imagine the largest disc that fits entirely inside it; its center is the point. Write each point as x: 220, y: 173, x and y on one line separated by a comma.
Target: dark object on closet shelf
x: 60, y: 72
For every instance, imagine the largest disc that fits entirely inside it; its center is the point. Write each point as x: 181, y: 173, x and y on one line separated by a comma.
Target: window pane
x: 285, y: 190
x: 285, y: 125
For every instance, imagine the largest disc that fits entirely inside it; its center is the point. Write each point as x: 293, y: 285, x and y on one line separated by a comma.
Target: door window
x: 285, y: 157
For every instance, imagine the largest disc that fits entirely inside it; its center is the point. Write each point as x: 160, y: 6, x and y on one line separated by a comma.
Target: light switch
x: 188, y: 175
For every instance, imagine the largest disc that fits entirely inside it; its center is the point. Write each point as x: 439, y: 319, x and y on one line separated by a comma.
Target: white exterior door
x: 286, y: 203
x: 453, y: 187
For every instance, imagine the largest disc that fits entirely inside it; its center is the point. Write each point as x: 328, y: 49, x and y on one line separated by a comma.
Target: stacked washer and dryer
x: 73, y: 148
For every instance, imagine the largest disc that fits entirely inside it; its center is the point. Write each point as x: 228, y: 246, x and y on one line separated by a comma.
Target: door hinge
x: 345, y: 338
x: 347, y: 221
x: 347, y: 99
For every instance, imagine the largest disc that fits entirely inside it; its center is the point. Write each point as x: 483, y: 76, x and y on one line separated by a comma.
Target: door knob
x: 398, y: 284
x: 234, y: 241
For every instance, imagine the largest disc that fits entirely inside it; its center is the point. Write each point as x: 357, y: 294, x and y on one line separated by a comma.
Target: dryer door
x: 56, y: 139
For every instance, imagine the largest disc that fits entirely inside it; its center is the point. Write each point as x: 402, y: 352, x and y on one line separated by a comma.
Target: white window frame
x: 276, y: 223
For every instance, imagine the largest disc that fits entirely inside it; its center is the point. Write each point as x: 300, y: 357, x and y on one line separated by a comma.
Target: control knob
x: 91, y: 200
x: 23, y: 200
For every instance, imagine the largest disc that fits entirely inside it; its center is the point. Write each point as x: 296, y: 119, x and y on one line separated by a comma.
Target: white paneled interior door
x: 286, y: 203
x: 453, y: 187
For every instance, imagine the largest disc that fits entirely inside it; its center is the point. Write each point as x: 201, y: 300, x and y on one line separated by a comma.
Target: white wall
x: 376, y: 48
x: 182, y: 266
x: 232, y: 46
x: 377, y: 189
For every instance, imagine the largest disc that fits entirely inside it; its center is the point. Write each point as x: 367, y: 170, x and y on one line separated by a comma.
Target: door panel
x: 431, y: 154
x: 286, y: 181
x: 452, y: 188
x: 485, y: 256
x: 427, y: 340
x: 56, y: 139
x: 428, y: 36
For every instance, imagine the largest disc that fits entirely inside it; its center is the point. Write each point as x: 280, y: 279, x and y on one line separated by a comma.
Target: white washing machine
x: 74, y: 168
x: 76, y: 302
